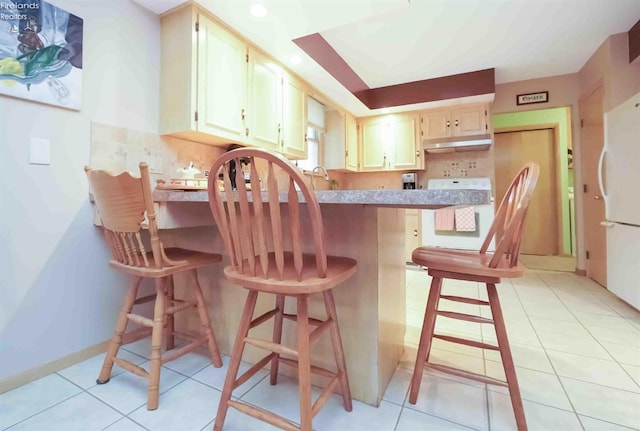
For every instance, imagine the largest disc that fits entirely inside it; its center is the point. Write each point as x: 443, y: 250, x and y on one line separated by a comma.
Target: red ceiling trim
x: 428, y: 90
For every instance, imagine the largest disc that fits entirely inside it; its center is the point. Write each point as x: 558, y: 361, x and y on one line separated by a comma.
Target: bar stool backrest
x: 257, y: 225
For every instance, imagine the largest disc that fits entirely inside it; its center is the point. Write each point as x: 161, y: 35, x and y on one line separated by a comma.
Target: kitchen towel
x: 444, y: 219
x: 465, y: 219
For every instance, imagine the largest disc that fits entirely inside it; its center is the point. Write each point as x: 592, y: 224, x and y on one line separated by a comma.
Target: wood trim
x: 634, y: 42
x: 53, y: 366
x: 428, y: 90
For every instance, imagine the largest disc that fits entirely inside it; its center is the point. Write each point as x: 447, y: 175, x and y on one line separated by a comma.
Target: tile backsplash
x: 458, y: 165
x: 119, y: 149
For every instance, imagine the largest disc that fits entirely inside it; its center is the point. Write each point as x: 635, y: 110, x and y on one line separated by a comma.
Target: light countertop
x: 426, y: 199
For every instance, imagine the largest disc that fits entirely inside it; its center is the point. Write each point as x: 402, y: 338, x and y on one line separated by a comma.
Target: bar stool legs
x: 305, y: 336
x: 161, y: 326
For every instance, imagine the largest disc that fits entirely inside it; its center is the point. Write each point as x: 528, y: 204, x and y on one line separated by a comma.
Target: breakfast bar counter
x: 367, y: 225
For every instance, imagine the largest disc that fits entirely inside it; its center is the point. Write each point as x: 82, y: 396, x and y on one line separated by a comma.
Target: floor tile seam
x: 607, y: 421
x: 495, y: 391
x: 524, y: 368
x: 415, y: 409
x: 49, y: 408
x: 634, y: 392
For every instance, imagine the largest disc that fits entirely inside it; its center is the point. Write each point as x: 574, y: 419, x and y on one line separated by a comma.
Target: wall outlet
x: 155, y: 164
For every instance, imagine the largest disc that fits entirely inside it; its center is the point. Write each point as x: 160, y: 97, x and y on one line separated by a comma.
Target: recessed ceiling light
x: 295, y: 59
x: 258, y: 10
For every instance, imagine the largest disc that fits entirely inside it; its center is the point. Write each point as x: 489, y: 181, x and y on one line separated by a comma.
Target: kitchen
x: 130, y: 101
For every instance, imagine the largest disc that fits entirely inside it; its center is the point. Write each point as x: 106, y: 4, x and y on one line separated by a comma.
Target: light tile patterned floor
x: 576, y: 348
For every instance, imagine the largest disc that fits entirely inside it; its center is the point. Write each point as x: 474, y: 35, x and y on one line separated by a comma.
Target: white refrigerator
x: 619, y: 177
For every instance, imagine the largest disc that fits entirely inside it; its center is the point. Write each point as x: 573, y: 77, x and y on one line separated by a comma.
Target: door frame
x: 558, y: 188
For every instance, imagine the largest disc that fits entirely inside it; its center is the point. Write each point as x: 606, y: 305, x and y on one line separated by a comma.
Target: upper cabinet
x: 218, y: 89
x: 464, y: 120
x: 390, y: 142
x: 341, y: 141
x: 203, y: 76
x: 264, y: 116
x: 293, y: 142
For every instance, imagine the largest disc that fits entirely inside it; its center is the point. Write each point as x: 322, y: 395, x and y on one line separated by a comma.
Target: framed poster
x: 40, y: 53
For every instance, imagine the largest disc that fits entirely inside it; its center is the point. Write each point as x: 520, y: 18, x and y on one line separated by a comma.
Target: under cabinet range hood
x: 457, y: 143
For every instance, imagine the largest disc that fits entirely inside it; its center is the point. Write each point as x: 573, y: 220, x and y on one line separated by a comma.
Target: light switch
x: 39, y: 151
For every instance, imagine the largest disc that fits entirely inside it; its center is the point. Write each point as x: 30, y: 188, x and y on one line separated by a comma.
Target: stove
x: 484, y: 215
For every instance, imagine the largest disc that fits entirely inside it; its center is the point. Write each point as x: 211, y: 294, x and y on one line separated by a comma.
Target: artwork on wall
x: 40, y: 53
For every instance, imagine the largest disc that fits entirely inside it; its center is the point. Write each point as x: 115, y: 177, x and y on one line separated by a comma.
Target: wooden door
x: 469, y: 120
x: 435, y: 124
x: 265, y: 113
x: 413, y: 231
x: 592, y: 140
x: 294, y: 141
x: 375, y: 138
x: 512, y: 151
x: 351, y: 142
x: 406, y: 154
x: 222, y: 82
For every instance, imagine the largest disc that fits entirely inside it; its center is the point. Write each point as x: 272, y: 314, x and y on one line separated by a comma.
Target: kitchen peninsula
x: 367, y: 225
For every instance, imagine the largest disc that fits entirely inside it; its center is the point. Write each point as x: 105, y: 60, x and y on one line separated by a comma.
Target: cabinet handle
x: 448, y: 123
x: 417, y: 153
x: 242, y: 114
x: 246, y: 131
x: 456, y: 123
x: 415, y: 232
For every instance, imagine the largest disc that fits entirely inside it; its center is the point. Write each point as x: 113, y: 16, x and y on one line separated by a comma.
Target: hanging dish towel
x: 444, y: 219
x: 465, y: 219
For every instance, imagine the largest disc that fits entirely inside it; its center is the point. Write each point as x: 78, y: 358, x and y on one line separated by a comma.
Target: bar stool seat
x: 278, y: 249
x: 125, y: 206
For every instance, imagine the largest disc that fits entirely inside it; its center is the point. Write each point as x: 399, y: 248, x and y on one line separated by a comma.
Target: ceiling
x: 389, y: 42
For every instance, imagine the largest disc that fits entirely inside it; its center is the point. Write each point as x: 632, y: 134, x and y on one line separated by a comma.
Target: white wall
x: 57, y: 294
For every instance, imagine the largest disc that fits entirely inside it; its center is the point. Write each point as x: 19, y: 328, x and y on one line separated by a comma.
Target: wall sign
x: 539, y: 97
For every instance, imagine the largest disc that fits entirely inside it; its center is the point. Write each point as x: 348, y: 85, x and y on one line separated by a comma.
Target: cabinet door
x: 436, y: 124
x: 294, y: 141
x: 471, y: 120
x: 351, y: 143
x: 265, y: 106
x: 406, y: 154
x: 222, y: 82
x: 375, y: 138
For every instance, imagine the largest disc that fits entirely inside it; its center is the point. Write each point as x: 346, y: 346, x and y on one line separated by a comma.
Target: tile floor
x: 576, y: 350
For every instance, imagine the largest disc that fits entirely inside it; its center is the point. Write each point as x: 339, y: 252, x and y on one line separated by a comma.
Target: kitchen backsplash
x: 118, y: 149
x: 456, y: 165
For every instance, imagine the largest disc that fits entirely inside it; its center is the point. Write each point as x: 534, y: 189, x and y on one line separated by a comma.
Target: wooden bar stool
x: 265, y: 242
x: 125, y: 206
x: 482, y: 267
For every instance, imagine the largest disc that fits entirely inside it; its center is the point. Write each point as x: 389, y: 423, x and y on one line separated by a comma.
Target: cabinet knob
x: 456, y: 123
x: 246, y: 131
x: 448, y: 123
x: 415, y: 232
x: 242, y: 114
x: 417, y: 153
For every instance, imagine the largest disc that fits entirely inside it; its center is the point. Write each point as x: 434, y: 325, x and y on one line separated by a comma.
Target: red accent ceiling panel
x: 428, y: 90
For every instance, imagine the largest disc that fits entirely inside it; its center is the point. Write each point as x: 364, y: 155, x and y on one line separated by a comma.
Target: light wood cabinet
x: 218, y: 89
x: 203, y: 79
x: 265, y: 101
x: 341, y: 141
x: 413, y: 231
x: 294, y: 129
x: 390, y: 142
x: 464, y: 120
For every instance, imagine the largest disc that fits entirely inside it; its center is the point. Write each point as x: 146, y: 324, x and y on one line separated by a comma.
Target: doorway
x: 592, y: 139
x: 512, y: 151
